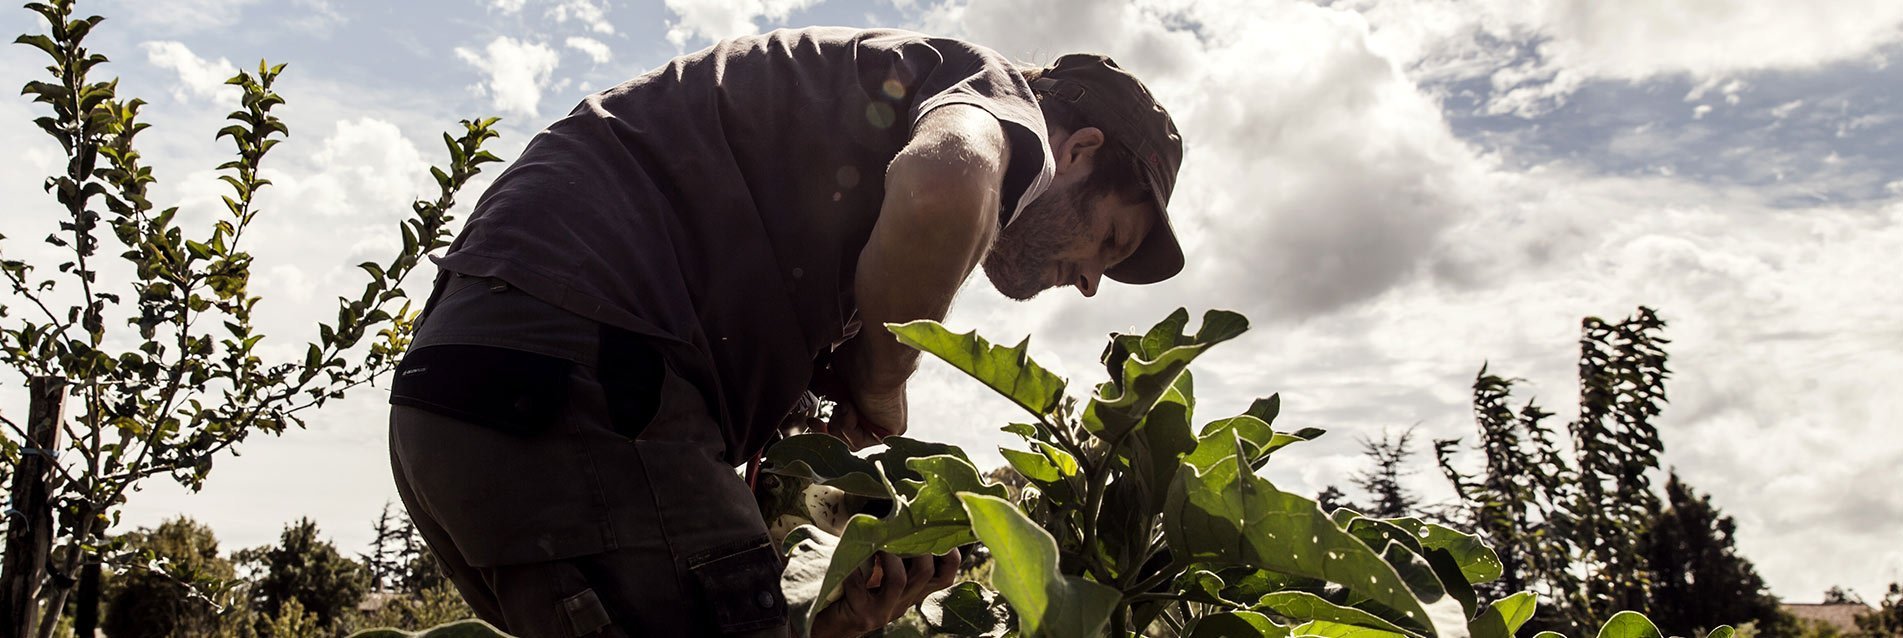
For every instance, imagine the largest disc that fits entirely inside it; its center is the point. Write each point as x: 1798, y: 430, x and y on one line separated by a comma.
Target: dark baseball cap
x: 1114, y: 101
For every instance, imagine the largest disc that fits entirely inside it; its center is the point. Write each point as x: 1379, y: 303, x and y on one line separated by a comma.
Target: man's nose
x: 1087, y: 282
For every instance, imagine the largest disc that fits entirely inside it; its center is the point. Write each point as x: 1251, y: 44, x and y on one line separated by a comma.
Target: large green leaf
x: 809, y: 555
x: 1331, y: 629
x: 1220, y: 512
x: 931, y: 520
x: 1629, y: 624
x: 1304, y: 606
x: 1237, y: 624
x: 900, y: 450
x: 1047, y: 602
x: 1143, y: 370
x: 1478, y: 562
x: 823, y: 459
x: 1723, y: 631
x: 459, y: 629
x: 1010, y: 371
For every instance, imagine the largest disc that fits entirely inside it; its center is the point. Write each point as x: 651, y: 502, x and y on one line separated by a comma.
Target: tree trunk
x: 30, y: 532
x: 62, y: 583
x: 86, y: 618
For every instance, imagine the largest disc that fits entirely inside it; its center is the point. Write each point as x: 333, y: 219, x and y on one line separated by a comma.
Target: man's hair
x: 1115, y: 168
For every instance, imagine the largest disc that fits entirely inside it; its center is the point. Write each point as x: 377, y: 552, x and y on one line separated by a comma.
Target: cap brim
x: 1159, y: 257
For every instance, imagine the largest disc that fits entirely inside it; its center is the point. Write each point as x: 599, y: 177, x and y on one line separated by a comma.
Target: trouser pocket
x: 741, y: 584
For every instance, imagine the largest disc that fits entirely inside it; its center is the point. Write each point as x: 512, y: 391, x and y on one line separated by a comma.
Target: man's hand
x: 881, y: 590
x: 861, y: 430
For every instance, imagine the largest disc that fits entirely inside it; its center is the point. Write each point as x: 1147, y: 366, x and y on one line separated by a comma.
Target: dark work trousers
x: 565, y: 495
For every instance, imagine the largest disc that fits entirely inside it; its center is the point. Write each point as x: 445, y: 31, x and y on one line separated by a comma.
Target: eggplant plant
x: 1134, y: 520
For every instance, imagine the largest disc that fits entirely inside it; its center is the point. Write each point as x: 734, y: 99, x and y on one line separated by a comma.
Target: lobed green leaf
x: 1009, y: 371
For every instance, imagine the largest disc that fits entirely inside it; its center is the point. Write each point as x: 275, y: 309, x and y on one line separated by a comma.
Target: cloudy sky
x: 1395, y: 191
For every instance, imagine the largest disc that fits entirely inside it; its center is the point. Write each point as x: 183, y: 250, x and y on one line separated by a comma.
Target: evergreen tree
x: 1332, y: 498
x: 1698, y: 580
x: 310, y: 571
x: 417, y: 569
x: 1389, y: 455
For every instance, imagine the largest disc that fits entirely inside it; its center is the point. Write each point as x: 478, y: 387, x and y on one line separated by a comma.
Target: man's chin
x: 1015, y: 290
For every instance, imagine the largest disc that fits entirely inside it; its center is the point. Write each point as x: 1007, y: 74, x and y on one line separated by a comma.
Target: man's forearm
x: 939, y: 216
x: 911, y: 270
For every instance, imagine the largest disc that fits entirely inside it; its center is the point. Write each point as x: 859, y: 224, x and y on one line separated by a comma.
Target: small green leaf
x: 1629, y: 624
x: 966, y: 610
x: 1237, y: 624
x: 1033, y: 466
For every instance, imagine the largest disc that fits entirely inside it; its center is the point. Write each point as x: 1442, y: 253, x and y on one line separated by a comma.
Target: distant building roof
x: 1843, y: 616
x: 376, y: 600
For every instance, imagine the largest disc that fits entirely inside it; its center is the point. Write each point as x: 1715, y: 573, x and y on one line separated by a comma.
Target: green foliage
x: 459, y: 629
x: 165, y: 593
x: 435, y: 605
x: 1887, y: 621
x: 166, y: 364
x: 307, y: 572
x: 1383, y: 483
x: 1572, y: 529
x: 1124, y: 518
x: 1047, y: 602
x: 1698, y: 579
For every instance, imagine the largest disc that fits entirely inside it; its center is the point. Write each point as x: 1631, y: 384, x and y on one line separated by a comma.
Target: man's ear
x: 1075, y: 151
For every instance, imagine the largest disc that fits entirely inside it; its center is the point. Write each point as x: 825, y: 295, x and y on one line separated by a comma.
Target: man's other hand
x: 881, y: 590
x: 864, y: 421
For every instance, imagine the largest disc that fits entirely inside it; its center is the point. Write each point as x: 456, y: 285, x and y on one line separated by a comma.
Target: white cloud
x: 1784, y: 110
x: 591, y: 13
x: 321, y: 16
x: 517, y: 70
x: 595, y: 49
x: 366, y: 164
x: 1539, y: 51
x: 1384, y: 259
x: 197, y: 77
x: 1322, y: 169
x: 508, y: 6
x: 718, y: 19
x: 180, y: 16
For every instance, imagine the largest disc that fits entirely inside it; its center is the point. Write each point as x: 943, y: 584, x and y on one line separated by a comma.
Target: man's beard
x: 1020, y: 262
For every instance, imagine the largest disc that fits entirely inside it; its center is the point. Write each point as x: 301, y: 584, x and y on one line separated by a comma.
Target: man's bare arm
x: 938, y: 219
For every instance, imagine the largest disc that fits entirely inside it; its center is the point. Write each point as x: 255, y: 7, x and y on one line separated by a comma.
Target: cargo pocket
x: 741, y: 583
x: 585, y: 614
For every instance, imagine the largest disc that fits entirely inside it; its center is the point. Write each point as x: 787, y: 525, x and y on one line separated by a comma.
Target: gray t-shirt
x: 718, y: 204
